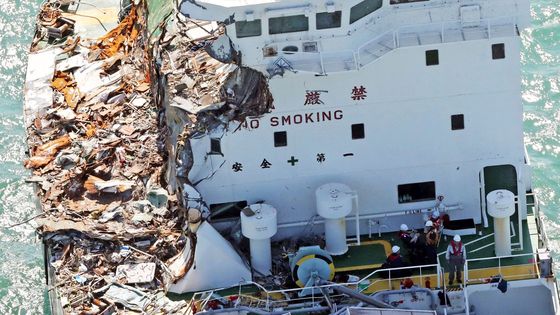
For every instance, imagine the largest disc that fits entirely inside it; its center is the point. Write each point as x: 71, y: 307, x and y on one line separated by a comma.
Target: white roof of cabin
x: 219, y: 10
x: 238, y: 3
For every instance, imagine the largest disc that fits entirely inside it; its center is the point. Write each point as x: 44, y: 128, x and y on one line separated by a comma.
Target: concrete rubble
x: 110, y: 153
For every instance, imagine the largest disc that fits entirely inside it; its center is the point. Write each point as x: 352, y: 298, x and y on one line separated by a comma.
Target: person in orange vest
x: 456, y: 256
x: 432, y: 234
x: 432, y: 242
x: 436, y: 220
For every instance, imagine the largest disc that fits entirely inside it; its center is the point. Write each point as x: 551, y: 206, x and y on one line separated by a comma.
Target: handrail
x: 541, y: 226
x: 436, y: 265
x: 318, y: 58
x: 499, y: 258
x: 269, y: 302
x: 363, y: 217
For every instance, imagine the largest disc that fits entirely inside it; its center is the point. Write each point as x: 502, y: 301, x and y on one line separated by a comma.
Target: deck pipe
x: 360, y: 296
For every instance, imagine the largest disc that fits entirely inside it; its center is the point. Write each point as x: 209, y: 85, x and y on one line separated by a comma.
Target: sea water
x: 22, y: 289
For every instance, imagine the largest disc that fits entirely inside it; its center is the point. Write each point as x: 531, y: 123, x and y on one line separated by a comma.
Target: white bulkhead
x: 400, y: 104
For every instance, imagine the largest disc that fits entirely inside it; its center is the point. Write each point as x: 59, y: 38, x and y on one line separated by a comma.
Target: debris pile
x: 207, y: 89
x: 51, y: 24
x: 106, y: 155
x: 205, y: 80
x: 98, y: 161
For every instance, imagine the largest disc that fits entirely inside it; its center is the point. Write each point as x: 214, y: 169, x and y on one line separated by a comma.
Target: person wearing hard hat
x: 432, y: 241
x: 404, y: 235
x: 407, y: 236
x: 436, y: 220
x: 395, y: 260
x: 432, y: 234
x: 455, y: 256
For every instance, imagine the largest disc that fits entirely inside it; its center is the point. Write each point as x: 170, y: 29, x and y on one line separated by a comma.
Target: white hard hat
x: 404, y: 227
x: 429, y: 223
x: 395, y: 249
x: 457, y: 238
x: 435, y: 214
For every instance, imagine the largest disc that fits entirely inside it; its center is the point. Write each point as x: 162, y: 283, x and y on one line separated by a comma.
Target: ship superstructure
x: 401, y: 101
x: 301, y: 136
x: 397, y: 109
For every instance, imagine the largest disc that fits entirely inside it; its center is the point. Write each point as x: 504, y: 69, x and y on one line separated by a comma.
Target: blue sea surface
x: 22, y: 287
x: 541, y: 103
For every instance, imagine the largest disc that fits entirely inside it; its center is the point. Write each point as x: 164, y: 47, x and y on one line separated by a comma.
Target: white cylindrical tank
x: 501, y: 205
x: 259, y: 228
x: 334, y: 203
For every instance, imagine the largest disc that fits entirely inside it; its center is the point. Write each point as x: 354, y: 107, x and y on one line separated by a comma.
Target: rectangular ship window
x: 227, y: 210
x: 280, y: 139
x: 457, y: 122
x: 215, y: 146
x: 405, y: 1
x: 248, y: 29
x: 417, y: 192
x: 358, y: 131
x: 364, y: 8
x: 432, y: 57
x: 498, y: 51
x: 326, y: 20
x: 288, y: 24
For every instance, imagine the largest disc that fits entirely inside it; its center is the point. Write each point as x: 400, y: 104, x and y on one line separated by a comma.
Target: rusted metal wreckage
x: 110, y: 152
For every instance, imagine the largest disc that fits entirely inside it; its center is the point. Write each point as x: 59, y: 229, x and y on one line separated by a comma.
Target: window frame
x: 238, y: 26
x: 317, y: 19
x: 498, y: 51
x: 274, y: 30
x: 430, y: 61
x: 358, y: 131
x: 428, y: 193
x: 394, y: 2
x: 215, y: 143
x: 354, y: 17
x: 278, y: 136
x: 458, y: 125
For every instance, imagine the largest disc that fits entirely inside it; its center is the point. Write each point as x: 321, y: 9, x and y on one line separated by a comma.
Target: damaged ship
x: 277, y: 157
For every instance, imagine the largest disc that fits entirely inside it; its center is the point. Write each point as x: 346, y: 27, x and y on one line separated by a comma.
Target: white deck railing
x: 269, y: 300
x: 404, y: 36
x: 499, y: 264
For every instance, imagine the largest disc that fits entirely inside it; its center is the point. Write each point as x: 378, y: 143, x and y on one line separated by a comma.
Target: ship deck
x: 365, y: 259
x: 361, y: 260
x: 372, y: 252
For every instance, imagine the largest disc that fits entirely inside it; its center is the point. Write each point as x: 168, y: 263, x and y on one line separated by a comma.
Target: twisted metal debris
x: 110, y: 155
